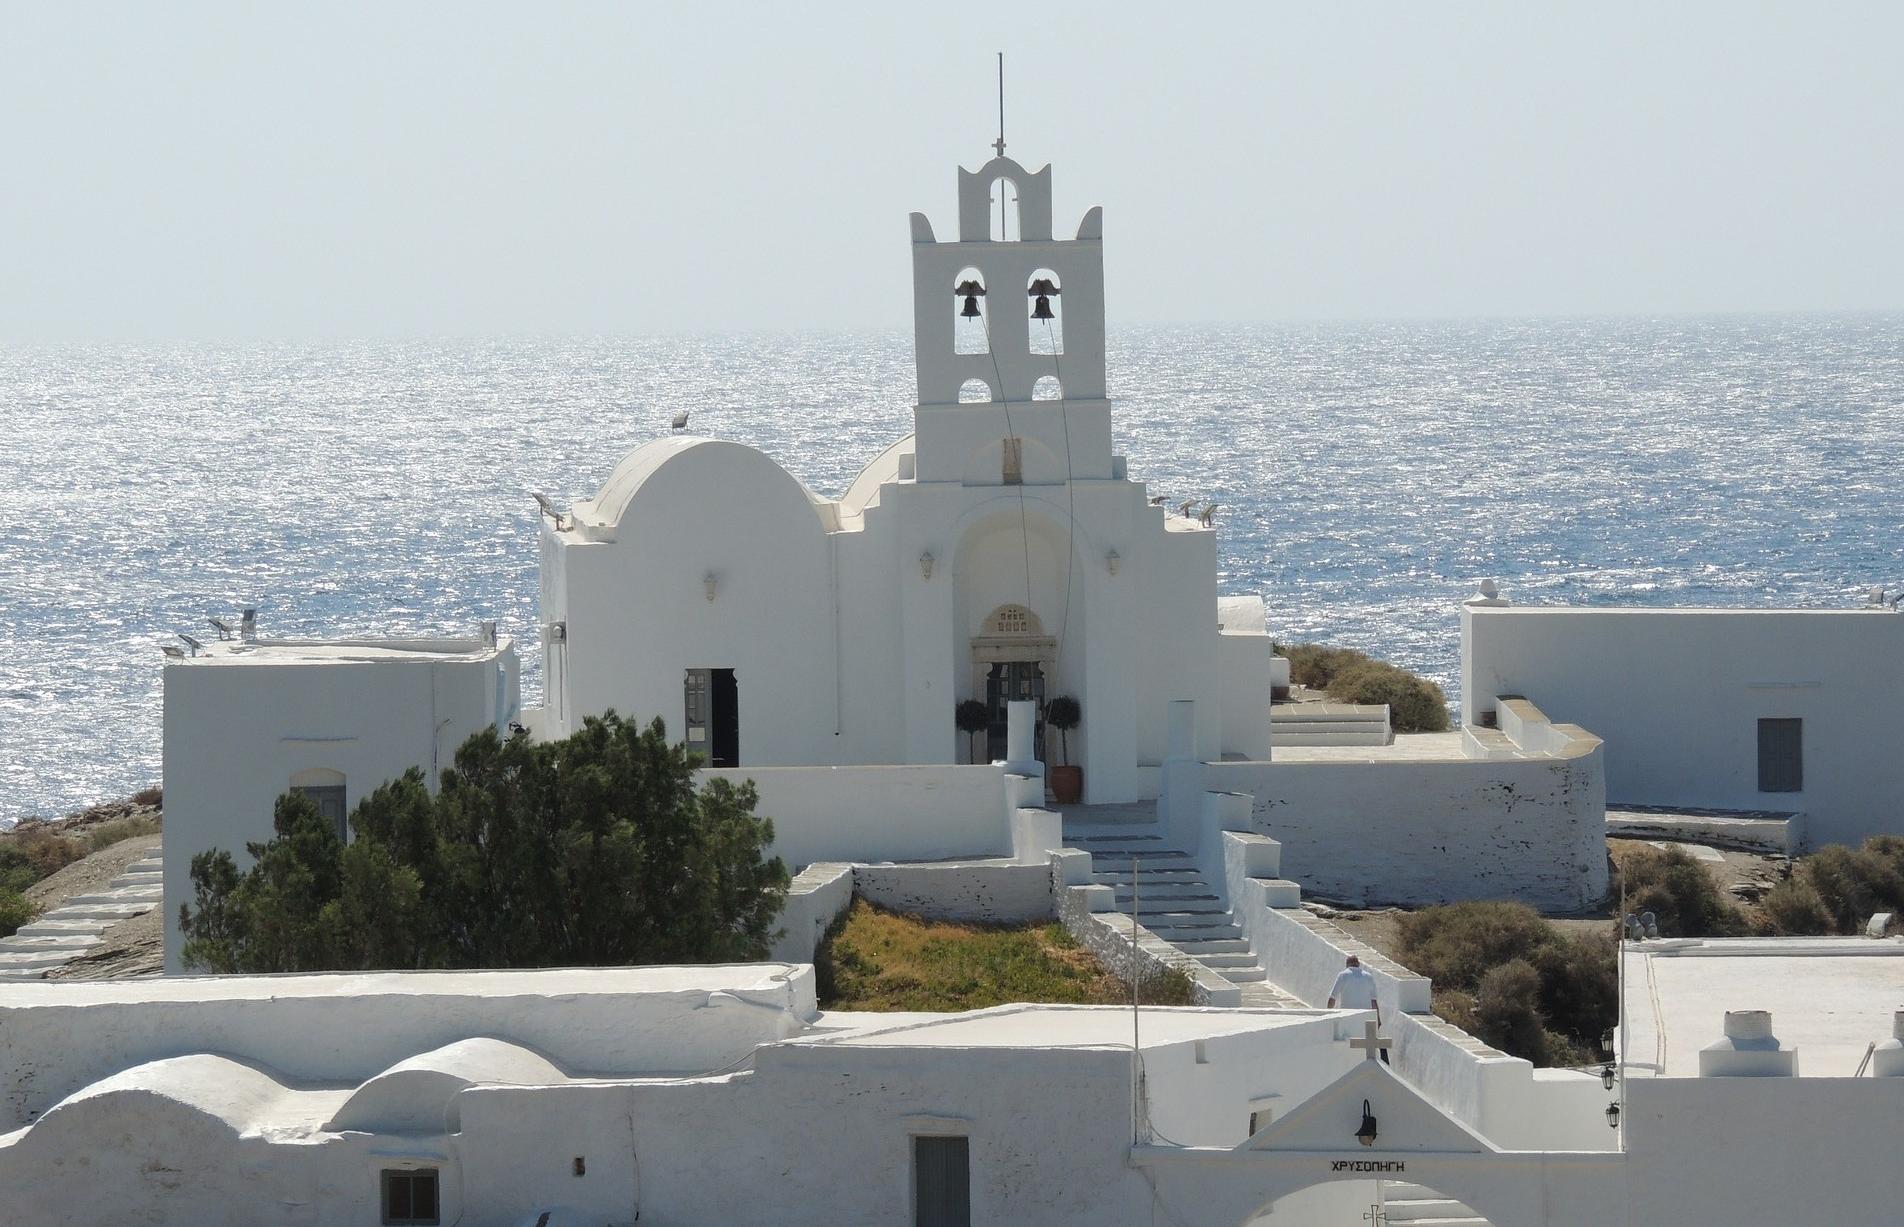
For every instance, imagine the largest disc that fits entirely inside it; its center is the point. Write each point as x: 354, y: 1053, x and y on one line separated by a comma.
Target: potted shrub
x: 973, y: 718
x: 1067, y: 781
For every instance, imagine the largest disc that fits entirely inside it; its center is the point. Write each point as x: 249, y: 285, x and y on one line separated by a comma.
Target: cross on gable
x: 1372, y: 1042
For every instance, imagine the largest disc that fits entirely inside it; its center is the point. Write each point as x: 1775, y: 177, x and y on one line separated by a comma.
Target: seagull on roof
x: 1157, y: 500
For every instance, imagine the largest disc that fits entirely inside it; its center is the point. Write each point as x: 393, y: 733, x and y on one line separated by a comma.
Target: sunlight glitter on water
x: 1369, y: 475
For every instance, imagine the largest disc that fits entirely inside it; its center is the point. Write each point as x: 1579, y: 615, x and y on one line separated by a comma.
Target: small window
x: 329, y: 799
x: 1014, y: 468
x: 1781, y: 755
x: 941, y: 1182
x: 409, y: 1197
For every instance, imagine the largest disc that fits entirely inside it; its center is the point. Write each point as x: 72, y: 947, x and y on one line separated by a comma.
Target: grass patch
x: 873, y: 959
x: 107, y: 834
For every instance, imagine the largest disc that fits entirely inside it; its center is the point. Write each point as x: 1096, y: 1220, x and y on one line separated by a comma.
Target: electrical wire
x: 1070, y: 502
x: 1004, y: 401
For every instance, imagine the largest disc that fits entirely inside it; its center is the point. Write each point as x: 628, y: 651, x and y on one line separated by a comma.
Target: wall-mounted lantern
x: 1606, y: 1077
x: 709, y: 583
x: 1366, y: 1134
x: 1112, y: 561
x: 925, y: 565
x: 1613, y: 1114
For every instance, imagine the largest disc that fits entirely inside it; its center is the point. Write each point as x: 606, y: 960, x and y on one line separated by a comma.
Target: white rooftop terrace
x: 333, y: 651
x: 1829, y: 997
x: 1056, y: 1026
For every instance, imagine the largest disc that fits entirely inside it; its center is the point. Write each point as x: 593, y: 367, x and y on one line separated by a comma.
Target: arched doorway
x: 1012, y: 658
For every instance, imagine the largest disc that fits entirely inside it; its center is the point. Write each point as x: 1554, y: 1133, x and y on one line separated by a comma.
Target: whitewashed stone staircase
x: 1176, y: 903
x: 1411, y: 1203
x: 76, y: 927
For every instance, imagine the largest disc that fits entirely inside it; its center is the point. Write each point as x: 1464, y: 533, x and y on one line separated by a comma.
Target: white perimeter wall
x: 1676, y: 694
x: 1436, y: 831
x: 235, y: 734
x: 916, y: 813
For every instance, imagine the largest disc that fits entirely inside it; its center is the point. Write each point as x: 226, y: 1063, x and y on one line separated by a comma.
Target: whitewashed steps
x: 78, y: 926
x: 1422, y: 1207
x: 1173, y: 900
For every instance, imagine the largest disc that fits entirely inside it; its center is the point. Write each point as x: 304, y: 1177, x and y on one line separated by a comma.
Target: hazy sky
x: 275, y: 170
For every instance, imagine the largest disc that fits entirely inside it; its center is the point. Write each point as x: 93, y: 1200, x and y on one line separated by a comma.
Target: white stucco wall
x: 1434, y: 831
x: 907, y: 813
x: 242, y: 720
x: 1677, y: 694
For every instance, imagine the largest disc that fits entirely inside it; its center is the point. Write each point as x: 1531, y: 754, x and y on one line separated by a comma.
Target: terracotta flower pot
x: 1067, y: 784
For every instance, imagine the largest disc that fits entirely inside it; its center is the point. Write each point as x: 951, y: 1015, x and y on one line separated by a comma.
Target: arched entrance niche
x: 1013, y: 625
x: 1012, y: 658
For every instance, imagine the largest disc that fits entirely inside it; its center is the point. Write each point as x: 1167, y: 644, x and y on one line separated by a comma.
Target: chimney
x: 1749, y: 1049
x: 1888, y: 1059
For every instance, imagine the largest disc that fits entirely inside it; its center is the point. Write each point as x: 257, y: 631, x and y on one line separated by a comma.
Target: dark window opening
x: 941, y: 1182
x: 409, y: 1198
x: 1781, y: 755
x: 713, y: 715
x: 329, y: 799
x: 1014, y: 466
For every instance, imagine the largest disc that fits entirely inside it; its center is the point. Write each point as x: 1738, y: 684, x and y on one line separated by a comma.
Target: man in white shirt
x: 1354, y: 989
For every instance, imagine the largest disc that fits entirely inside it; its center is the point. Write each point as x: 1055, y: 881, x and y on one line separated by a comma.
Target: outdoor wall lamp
x: 1613, y: 1114
x: 1606, y: 1077
x: 1366, y: 1134
x: 709, y: 583
x: 925, y: 565
x: 1112, y: 559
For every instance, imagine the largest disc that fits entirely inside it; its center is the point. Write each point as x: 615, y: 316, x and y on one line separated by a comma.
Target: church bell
x: 1042, y: 290
x: 971, y: 290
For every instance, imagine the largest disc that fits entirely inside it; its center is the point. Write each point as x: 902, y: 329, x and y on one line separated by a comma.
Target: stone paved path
x: 76, y: 926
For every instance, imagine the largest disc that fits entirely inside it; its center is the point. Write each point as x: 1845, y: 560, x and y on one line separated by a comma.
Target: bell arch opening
x: 1004, y: 211
x: 1047, y: 388
x: 975, y: 392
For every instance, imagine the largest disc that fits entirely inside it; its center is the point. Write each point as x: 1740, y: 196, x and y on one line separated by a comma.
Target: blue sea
x: 1368, y: 474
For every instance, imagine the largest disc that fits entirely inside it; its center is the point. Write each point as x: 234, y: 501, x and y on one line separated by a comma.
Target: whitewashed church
x: 999, y: 551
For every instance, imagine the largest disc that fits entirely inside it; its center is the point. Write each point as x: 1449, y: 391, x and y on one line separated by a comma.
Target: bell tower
x: 1008, y: 337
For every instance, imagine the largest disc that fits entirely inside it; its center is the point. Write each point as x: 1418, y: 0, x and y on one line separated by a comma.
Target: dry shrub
x: 153, y: 797
x: 1504, y: 974
x: 1415, y: 704
x: 1457, y: 944
x: 1678, y: 890
x: 1507, y: 1011
x: 1853, y: 883
x: 1793, y: 909
x: 14, y: 912
x: 31, y: 852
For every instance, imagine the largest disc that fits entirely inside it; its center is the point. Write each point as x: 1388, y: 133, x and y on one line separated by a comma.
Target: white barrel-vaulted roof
x: 718, y: 468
